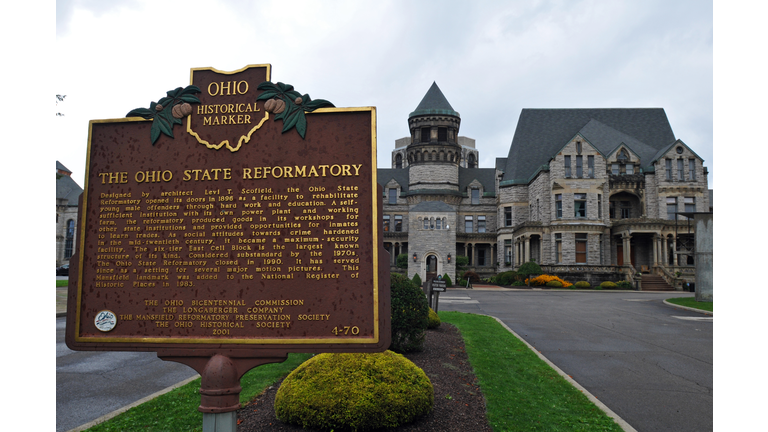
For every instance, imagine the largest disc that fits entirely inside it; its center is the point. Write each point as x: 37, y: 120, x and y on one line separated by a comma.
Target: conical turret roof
x: 434, y: 102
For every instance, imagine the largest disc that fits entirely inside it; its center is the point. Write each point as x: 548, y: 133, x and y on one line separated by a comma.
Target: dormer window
x: 475, y: 196
x: 630, y: 169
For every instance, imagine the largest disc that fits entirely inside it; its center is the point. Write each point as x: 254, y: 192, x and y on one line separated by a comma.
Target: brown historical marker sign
x: 234, y: 217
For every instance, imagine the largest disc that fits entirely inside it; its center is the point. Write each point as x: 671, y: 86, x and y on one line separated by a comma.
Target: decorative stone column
x: 527, y: 248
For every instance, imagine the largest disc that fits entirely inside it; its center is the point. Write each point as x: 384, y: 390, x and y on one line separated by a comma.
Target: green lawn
x: 522, y: 392
x: 692, y: 303
x: 61, y: 283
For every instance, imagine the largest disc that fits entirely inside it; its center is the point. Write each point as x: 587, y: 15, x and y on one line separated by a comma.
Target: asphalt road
x: 648, y: 362
x: 90, y: 384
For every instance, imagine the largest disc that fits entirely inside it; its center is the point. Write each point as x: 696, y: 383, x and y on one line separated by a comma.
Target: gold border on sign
x: 241, y: 341
x: 243, y: 138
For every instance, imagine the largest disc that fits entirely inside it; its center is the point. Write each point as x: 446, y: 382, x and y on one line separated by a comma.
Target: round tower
x: 434, y: 152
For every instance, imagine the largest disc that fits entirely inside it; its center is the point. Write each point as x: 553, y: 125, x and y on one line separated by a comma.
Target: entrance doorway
x: 431, y: 267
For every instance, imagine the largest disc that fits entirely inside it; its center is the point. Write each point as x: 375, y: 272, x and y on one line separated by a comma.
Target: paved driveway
x: 648, y: 362
x: 90, y: 384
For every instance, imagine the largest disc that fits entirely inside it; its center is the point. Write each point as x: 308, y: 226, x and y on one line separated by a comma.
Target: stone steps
x: 655, y: 283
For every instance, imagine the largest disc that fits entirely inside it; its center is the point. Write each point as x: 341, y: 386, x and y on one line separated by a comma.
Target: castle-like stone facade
x: 589, y: 194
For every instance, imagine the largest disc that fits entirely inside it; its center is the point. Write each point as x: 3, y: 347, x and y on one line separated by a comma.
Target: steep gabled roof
x: 541, y: 133
x: 400, y: 175
x: 434, y: 102
x: 607, y: 139
x: 486, y: 177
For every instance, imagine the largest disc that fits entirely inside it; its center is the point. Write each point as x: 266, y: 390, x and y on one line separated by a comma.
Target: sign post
x: 228, y: 224
x: 438, y: 286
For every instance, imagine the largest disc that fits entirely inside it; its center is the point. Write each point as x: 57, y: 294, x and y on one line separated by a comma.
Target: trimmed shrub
x: 410, y: 314
x: 554, y: 284
x: 527, y: 269
x: 607, y: 285
x: 447, y: 279
x: 462, y: 282
x: 434, y: 320
x: 623, y: 285
x: 354, y: 392
x: 417, y: 280
x: 506, y: 278
x: 402, y: 261
x: 582, y: 285
x: 545, y: 279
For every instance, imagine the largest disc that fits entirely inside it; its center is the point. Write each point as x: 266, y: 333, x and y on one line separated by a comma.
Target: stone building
x: 589, y: 194
x: 67, y: 195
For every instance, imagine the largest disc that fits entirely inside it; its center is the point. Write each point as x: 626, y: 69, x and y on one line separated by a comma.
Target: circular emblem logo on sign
x: 105, y: 320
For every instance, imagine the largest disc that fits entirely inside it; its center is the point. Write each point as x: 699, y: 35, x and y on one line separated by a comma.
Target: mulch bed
x: 459, y: 403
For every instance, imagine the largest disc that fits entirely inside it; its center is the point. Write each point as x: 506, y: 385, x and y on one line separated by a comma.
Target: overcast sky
x: 490, y: 58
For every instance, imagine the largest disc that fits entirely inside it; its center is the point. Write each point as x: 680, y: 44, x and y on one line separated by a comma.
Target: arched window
x: 398, y: 161
x: 69, y: 242
x: 471, y: 161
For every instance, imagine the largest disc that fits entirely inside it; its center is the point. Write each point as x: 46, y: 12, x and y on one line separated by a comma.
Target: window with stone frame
x: 424, y: 135
x: 69, y: 241
x: 629, y: 169
x: 580, y: 205
x: 579, y: 166
x: 480, y: 256
x: 680, y: 173
x: 508, y: 251
x: 559, y: 206
x: 481, y: 224
x: 426, y: 223
x: 392, y: 195
x: 567, y: 166
x: 615, y: 169
x: 581, y: 248
x: 692, y: 169
x: 668, y: 169
x: 398, y: 222
x: 386, y: 223
x: 442, y: 134
x: 625, y: 209
x: 508, y: 216
x: 399, y: 161
x: 431, y: 223
x: 690, y: 204
x: 558, y: 248
x: 475, y: 192
x: 468, y: 224
x: 599, y: 206
x: 591, y: 166
x: 438, y: 223
x: 671, y: 208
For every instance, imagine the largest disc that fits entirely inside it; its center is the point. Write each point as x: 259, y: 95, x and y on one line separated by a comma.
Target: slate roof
x: 434, y: 102
x: 66, y: 188
x: 486, y: 177
x: 384, y: 175
x: 433, y: 206
x: 542, y: 133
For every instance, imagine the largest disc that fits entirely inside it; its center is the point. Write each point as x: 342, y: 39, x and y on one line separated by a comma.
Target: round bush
x: 410, y: 314
x: 354, y: 392
x: 624, y: 285
x: 608, y: 285
x: 554, y: 284
x: 434, y: 320
x: 582, y: 285
x: 527, y: 269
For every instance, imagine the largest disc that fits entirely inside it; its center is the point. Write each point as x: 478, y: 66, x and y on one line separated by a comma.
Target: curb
x: 119, y: 411
x: 703, y: 312
x: 621, y: 422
